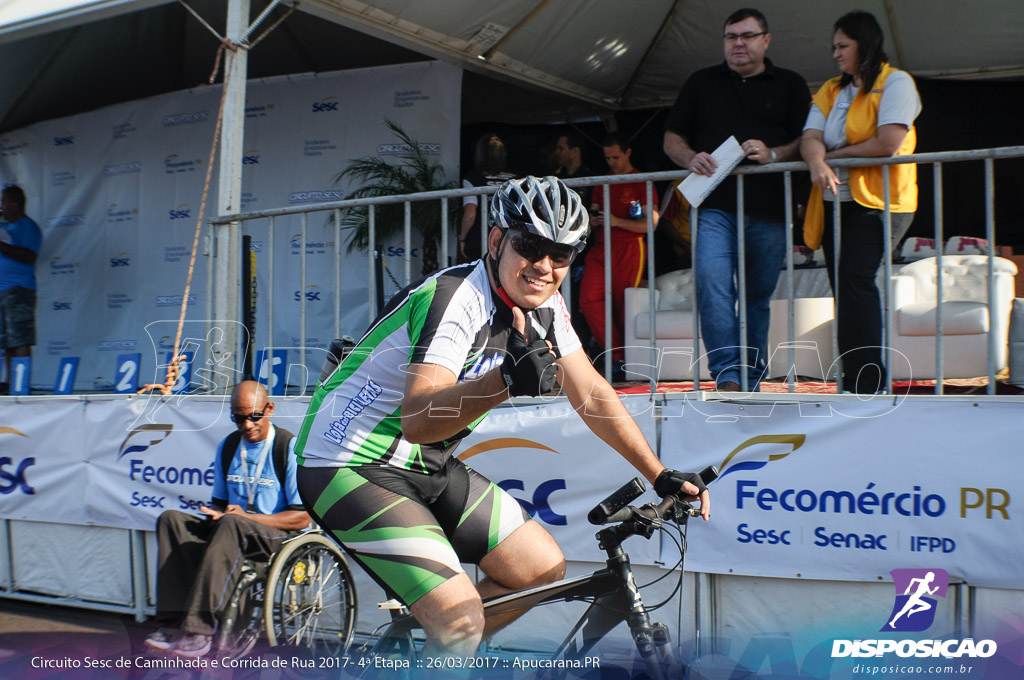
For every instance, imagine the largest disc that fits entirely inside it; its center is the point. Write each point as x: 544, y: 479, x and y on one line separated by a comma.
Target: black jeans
x: 200, y: 561
x: 859, y: 312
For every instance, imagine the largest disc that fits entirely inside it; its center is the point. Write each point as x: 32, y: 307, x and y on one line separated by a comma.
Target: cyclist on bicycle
x: 375, y: 449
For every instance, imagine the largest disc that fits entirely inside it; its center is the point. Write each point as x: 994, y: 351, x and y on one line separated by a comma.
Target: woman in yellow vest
x: 867, y: 111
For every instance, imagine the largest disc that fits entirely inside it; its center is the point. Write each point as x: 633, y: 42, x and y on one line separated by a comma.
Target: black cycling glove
x: 528, y: 368
x: 671, y: 481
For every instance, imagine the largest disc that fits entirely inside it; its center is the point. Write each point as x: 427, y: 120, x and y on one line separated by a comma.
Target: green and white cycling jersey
x: 452, y: 319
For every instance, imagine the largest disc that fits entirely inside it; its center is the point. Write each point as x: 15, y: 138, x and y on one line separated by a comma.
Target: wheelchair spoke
x: 311, y: 602
x: 302, y: 602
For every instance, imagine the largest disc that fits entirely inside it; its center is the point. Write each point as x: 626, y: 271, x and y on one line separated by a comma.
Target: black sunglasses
x: 535, y: 248
x: 255, y: 416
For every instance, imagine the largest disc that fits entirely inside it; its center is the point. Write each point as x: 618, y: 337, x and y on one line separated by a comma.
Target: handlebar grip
x: 627, y: 493
x: 708, y: 474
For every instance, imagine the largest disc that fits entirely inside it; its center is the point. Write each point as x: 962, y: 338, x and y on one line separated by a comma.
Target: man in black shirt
x: 764, y: 107
x: 569, y: 154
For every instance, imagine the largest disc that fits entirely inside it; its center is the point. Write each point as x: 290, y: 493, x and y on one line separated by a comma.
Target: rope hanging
x: 173, y: 367
x: 226, y: 46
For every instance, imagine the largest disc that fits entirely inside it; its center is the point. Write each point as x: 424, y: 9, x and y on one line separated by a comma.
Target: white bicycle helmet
x: 545, y: 207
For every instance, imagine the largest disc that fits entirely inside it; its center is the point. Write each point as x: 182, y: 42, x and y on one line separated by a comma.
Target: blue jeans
x: 718, y: 301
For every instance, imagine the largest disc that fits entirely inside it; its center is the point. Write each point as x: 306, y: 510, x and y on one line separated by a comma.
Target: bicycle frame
x: 614, y: 598
x: 612, y: 592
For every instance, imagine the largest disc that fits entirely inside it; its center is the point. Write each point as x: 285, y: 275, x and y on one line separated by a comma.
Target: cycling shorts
x: 409, y: 530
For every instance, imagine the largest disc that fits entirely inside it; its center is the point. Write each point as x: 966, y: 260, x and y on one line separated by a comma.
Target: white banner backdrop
x: 849, y: 494
x: 134, y: 458
x: 850, y: 491
x: 117, y: 194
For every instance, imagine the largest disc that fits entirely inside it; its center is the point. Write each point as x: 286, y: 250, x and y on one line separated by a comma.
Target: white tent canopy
x: 588, y: 57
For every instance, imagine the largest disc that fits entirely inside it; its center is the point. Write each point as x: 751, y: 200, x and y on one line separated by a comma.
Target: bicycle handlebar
x: 615, y: 508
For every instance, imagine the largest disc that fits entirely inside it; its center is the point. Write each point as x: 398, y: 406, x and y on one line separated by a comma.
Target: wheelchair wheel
x: 241, y: 622
x: 311, y: 600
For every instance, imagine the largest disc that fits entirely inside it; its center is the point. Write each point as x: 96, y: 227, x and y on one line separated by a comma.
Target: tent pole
x: 228, y: 243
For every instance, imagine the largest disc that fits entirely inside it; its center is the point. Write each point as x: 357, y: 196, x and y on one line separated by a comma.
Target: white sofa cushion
x: 964, y: 277
x: 672, y: 324
x: 675, y: 289
x: 917, y: 248
x: 966, y: 245
x: 958, y: 318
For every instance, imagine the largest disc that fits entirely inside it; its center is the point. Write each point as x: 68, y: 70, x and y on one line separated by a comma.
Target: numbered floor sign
x: 66, y: 375
x: 184, y: 372
x: 21, y: 373
x: 126, y: 378
x: 270, y: 370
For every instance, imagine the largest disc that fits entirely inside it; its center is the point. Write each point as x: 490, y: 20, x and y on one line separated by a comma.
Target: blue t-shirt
x: 24, y: 233
x: 269, y: 497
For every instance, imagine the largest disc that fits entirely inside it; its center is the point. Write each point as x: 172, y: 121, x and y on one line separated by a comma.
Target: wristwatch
x: 775, y: 156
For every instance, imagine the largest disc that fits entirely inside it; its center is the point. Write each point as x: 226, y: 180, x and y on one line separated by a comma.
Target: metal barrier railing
x: 988, y: 156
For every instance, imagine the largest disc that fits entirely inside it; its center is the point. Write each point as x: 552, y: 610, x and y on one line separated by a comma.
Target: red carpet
x: 903, y: 387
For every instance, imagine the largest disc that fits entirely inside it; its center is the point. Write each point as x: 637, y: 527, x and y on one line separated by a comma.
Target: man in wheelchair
x: 255, y: 507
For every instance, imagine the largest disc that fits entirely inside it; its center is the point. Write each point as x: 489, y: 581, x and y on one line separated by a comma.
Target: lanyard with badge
x: 252, y: 481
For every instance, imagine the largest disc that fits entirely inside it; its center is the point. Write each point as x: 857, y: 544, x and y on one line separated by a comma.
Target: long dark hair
x: 863, y: 27
x: 490, y: 155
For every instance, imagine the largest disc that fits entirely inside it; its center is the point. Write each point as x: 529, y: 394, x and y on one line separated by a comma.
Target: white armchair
x: 966, y: 322
x: 674, y: 323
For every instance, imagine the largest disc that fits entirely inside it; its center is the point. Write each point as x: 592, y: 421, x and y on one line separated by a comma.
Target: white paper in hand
x: 695, y: 188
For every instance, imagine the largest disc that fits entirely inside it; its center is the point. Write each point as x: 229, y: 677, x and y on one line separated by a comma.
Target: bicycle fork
x: 653, y: 640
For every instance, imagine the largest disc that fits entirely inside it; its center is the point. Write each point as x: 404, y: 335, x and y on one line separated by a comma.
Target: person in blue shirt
x: 254, y: 509
x: 20, y: 240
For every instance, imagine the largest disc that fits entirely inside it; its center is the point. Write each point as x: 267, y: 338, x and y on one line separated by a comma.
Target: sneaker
x: 162, y: 639
x: 193, y: 645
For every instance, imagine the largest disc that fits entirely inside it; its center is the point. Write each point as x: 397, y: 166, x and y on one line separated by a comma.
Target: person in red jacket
x: 628, y: 218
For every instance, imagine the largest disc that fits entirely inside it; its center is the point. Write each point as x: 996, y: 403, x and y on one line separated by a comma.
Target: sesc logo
x: 539, y: 505
x: 312, y: 294
x: 251, y: 157
x: 64, y: 140
x: 120, y: 260
x: 328, y: 104
x: 12, y: 475
x: 181, y: 212
x: 14, y: 478
x: 62, y: 305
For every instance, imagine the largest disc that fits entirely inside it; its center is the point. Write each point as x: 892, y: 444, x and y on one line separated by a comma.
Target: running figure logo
x: 914, y: 610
